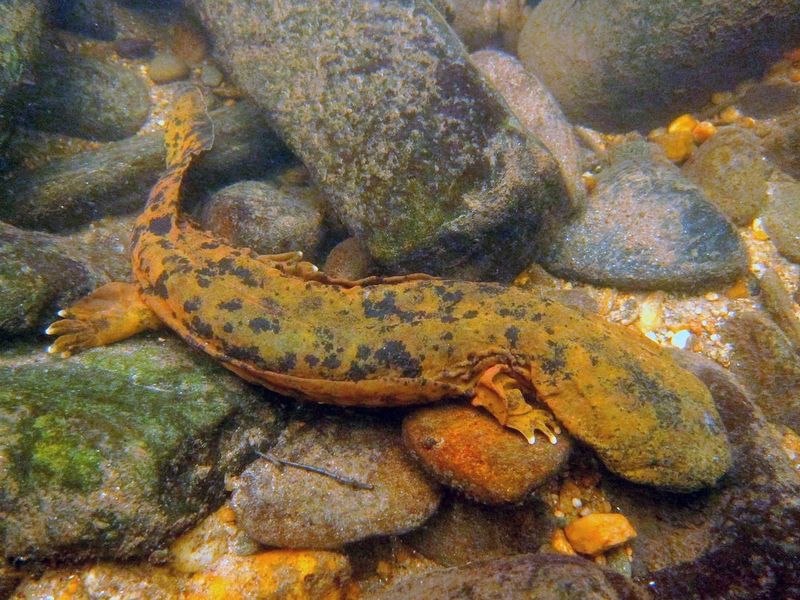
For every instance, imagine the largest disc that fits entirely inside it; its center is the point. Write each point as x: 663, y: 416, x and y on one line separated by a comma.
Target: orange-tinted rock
x: 599, y: 532
x: 349, y: 260
x: 469, y: 450
x: 273, y: 574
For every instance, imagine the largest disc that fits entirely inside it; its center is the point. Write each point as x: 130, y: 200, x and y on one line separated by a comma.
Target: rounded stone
x: 85, y: 97
x: 349, y: 260
x: 268, y: 218
x: 732, y: 172
x: 291, y: 507
x: 166, y: 67
x: 647, y: 227
x: 624, y: 65
x: 467, y: 449
x: 781, y: 217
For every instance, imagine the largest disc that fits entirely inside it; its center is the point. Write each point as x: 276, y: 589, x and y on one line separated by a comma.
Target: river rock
x: 646, y: 227
x: 467, y: 449
x: 37, y: 278
x: 117, y: 177
x: 418, y: 155
x: 739, y: 541
x: 94, y: 18
x: 781, y: 216
x: 635, y: 65
x: 764, y: 360
x: 462, y: 531
x: 349, y: 260
x: 113, y: 451
x: 84, y: 97
x: 779, y: 305
x: 484, y: 23
x: 290, y: 507
x: 20, y: 32
x: 538, y: 111
x: 267, y: 217
x: 522, y: 576
x: 731, y: 170
x: 166, y: 67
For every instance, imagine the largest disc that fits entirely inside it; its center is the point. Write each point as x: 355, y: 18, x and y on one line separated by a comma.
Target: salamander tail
x: 189, y: 130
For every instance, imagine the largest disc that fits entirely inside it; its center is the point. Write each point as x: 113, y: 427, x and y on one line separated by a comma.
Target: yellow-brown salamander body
x: 275, y: 321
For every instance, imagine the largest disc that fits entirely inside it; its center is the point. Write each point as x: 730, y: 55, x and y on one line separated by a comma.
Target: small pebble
x: 211, y: 75
x: 596, y: 533
x: 167, y: 67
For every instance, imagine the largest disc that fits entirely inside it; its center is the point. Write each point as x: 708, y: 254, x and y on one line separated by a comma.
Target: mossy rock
x: 111, y: 452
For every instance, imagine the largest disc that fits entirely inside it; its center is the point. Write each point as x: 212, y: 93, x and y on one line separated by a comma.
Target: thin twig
x: 282, y: 462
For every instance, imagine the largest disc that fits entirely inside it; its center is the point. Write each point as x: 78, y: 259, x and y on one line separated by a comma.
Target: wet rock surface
x: 670, y: 62
x: 436, y: 173
x: 462, y: 531
x: 291, y: 507
x: 166, y: 67
x: 731, y: 170
x: 116, y: 178
x: 20, y: 32
x: 538, y: 111
x: 94, y: 18
x: 524, y: 576
x: 782, y: 217
x: 646, y: 227
x: 764, y: 361
x: 467, y: 449
x: 267, y: 217
x: 115, y: 450
x: 84, y: 97
x: 349, y: 260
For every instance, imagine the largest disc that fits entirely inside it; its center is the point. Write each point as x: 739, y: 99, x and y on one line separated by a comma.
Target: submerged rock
x: 117, y: 177
x: 782, y: 216
x: 731, y: 170
x: 94, y: 18
x: 20, y: 31
x: 764, y: 360
x: 522, y: 576
x: 349, y: 260
x: 84, y: 97
x: 266, y: 217
x: 420, y: 158
x: 166, y: 67
x: 538, y: 111
x: 291, y: 507
x: 632, y: 64
x: 461, y: 531
x: 646, y: 227
x: 467, y: 449
x: 115, y: 450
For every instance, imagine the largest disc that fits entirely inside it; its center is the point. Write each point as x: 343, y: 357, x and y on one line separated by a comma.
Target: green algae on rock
x: 418, y: 155
x: 20, y: 30
x: 114, y: 451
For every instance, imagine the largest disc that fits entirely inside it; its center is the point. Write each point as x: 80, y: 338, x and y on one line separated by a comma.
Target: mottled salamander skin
x: 408, y: 340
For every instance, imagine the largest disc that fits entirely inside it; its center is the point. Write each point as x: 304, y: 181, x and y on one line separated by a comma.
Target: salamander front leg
x: 500, y: 393
x: 111, y: 313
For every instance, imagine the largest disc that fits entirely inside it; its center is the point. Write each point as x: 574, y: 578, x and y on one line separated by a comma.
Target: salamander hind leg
x: 502, y: 395
x: 111, y: 313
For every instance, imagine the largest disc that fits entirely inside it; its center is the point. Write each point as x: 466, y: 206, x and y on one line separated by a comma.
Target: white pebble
x: 680, y: 339
x: 576, y: 502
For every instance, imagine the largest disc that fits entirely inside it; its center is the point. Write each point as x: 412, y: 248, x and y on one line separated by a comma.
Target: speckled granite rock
x: 267, y: 217
x: 646, y: 227
x: 632, y: 64
x: 731, y: 170
x: 421, y: 159
x: 538, y: 111
x: 523, y: 576
x: 84, y: 97
x: 113, y: 451
x: 294, y: 508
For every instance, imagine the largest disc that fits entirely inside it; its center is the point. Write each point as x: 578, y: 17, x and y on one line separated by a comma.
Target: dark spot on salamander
x: 448, y: 296
x: 394, y: 355
x: 448, y: 319
x: 203, y: 282
x: 166, y: 244
x: 448, y: 335
x: 192, y: 304
x: 247, y: 354
x: 209, y: 245
x: 363, y: 352
x: 160, y: 285
x: 470, y: 314
x: 536, y: 317
x: 287, y: 362
x: 331, y: 362
x: 387, y: 307
x: 549, y: 331
x: 594, y: 359
x: 260, y: 324
x: 228, y: 327
x: 230, y: 305
x: 512, y: 335
x: 557, y: 362
x: 200, y: 327
x: 648, y: 390
x: 517, y: 312
x: 227, y: 266
x: 160, y: 225
x: 311, y: 360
